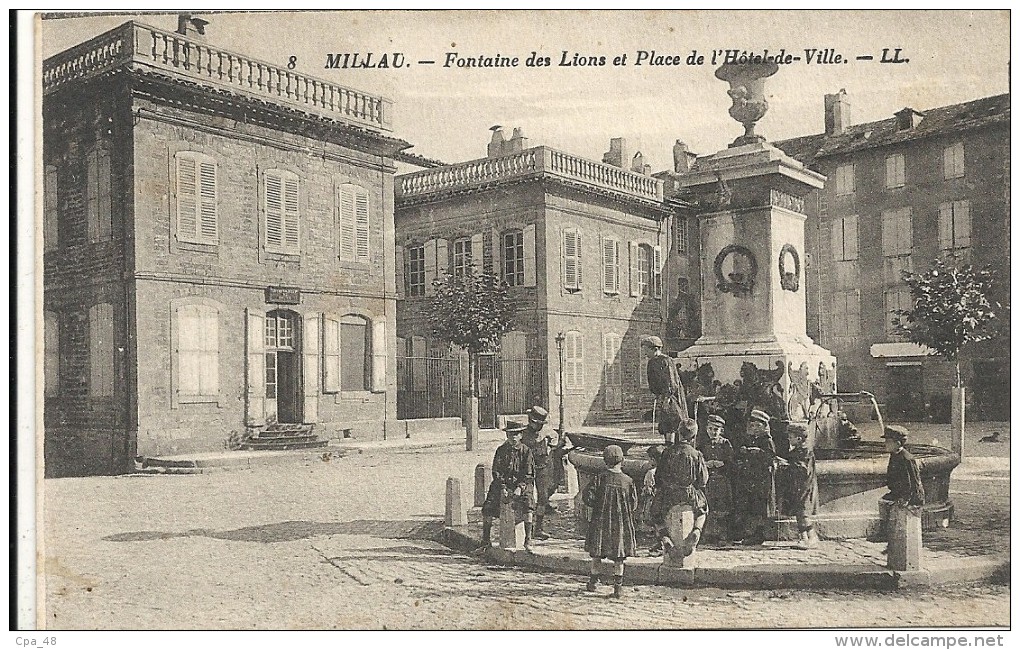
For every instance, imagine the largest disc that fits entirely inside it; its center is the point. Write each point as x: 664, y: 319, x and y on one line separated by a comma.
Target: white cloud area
x: 954, y: 56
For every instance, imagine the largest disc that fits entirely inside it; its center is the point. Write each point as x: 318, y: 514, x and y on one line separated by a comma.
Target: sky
x: 445, y: 112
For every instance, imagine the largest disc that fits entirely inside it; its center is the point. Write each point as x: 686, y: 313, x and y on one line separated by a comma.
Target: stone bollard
x: 511, y: 529
x: 904, y: 531
x: 679, y: 524
x: 456, y: 513
x: 483, y: 477
x: 571, y: 476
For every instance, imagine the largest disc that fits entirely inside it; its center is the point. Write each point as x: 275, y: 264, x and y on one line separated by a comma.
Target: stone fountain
x: 754, y: 351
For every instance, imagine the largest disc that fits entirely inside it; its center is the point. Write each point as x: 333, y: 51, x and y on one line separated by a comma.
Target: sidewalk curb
x: 776, y: 576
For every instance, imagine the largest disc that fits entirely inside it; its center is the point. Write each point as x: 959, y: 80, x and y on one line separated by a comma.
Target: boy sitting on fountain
x: 680, y: 479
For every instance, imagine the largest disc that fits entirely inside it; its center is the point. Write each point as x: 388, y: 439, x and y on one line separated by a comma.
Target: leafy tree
x: 952, y: 308
x: 472, y: 310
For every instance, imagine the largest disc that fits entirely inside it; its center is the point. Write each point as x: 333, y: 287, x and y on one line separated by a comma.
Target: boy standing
x: 540, y: 447
x: 803, y: 484
x: 513, y: 479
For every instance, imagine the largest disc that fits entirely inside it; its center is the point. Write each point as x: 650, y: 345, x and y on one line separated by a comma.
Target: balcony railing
x: 137, y: 44
x: 537, y: 161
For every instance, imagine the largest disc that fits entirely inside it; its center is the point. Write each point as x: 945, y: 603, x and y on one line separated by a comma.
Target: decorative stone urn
x: 747, y: 90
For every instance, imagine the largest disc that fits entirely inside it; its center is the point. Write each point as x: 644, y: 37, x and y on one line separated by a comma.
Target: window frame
x: 573, y: 361
x: 289, y: 218
x: 359, y: 250
x: 845, y: 173
x: 574, y: 235
x: 512, y: 266
x: 645, y: 276
x: 954, y: 208
x: 681, y: 237
x: 954, y: 161
x: 204, y: 307
x: 205, y: 165
x: 414, y: 279
x: 460, y: 262
x: 611, y: 270
x: 896, y: 175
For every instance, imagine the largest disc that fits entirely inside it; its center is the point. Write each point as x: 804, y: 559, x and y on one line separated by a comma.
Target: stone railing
x: 531, y: 162
x: 137, y: 44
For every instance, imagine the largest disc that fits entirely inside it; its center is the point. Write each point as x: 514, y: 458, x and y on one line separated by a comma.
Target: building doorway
x: 283, y: 367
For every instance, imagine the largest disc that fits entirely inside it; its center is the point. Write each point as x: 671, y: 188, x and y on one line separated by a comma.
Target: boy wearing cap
x: 613, y: 500
x: 664, y: 382
x: 755, y: 485
x: 903, y: 474
x: 803, y: 484
x: 680, y: 479
x: 718, y: 454
x: 539, y: 445
x: 513, y: 478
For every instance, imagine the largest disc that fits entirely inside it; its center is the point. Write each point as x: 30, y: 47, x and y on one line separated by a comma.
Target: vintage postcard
x: 528, y: 320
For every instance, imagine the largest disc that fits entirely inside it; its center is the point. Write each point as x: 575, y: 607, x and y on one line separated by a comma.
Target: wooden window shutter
x: 51, y: 374
x: 477, y: 252
x: 610, y: 266
x: 51, y: 209
x: 836, y: 239
x: 850, y: 237
x: 330, y: 355
x: 379, y: 354
x: 292, y: 214
x: 105, y: 215
x: 346, y: 218
x: 399, y: 272
x: 961, y: 224
x: 430, y: 266
x: 530, y: 257
x: 92, y: 194
x: 945, y: 226
x: 274, y: 211
x: 853, y: 312
x: 187, y: 197
x: 571, y: 259
x: 496, y: 240
x: 362, y: 219
x: 209, y: 226
x: 635, y: 289
x: 255, y: 354
x: 657, y: 271
x: 101, y: 361
x: 310, y: 346
x: 442, y: 258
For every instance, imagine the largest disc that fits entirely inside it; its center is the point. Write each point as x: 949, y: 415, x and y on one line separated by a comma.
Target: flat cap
x: 612, y: 455
x: 652, y: 340
x: 760, y: 416
x: 538, y: 413
x: 716, y: 419
x: 895, y: 432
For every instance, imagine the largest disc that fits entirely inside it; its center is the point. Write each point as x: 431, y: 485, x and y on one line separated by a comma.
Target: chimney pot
x: 837, y: 113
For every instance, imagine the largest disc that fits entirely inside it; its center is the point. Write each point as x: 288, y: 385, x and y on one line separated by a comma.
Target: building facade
x: 580, y: 244
x: 218, y: 262
x: 901, y: 192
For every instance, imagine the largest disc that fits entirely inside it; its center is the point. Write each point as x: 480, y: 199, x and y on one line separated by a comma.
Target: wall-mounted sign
x: 283, y: 295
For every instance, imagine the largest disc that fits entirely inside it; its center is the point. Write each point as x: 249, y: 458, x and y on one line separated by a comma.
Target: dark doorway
x: 905, y: 390
x: 283, y: 366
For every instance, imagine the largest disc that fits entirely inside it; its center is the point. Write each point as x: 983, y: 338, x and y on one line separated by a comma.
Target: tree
x: 473, y: 311
x: 952, y: 308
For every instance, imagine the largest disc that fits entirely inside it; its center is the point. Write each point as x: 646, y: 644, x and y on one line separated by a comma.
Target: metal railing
x: 137, y: 44
x: 537, y: 161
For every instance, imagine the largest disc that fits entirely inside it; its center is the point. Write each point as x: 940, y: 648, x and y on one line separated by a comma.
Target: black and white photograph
x: 521, y: 320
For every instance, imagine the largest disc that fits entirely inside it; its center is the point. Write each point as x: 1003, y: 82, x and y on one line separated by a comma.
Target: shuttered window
x: 844, y: 238
x: 198, y: 348
x: 845, y: 180
x: 51, y: 327
x: 101, y: 362
x: 352, y: 206
x: 681, y: 236
x: 846, y: 313
x: 612, y: 363
x: 954, y: 225
x: 952, y: 161
x: 51, y: 210
x: 895, y: 300
x: 197, y: 219
x: 331, y: 355
x: 897, y: 232
x: 461, y: 256
x: 415, y: 271
x: 657, y: 271
x: 644, y: 270
x: 573, y: 364
x: 513, y: 258
x: 97, y: 195
x: 281, y: 212
x: 895, y: 171
x: 356, y: 365
x: 571, y: 256
x: 610, y: 266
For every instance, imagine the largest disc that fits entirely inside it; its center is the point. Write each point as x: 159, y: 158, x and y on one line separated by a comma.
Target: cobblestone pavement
x: 347, y: 544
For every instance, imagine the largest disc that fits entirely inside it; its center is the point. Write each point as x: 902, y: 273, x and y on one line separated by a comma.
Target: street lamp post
x: 560, y: 338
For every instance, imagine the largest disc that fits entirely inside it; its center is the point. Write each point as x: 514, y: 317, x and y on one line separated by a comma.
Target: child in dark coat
x: 613, y: 499
x: 803, y: 484
x: 680, y: 479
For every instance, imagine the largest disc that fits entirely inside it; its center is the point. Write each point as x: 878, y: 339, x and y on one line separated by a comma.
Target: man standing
x: 755, y: 485
x: 513, y: 479
x: 541, y: 451
x: 664, y: 382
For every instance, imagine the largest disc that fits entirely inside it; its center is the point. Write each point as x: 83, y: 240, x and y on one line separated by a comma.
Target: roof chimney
x: 496, y: 143
x: 837, y: 113
x: 683, y: 158
x: 617, y: 154
x: 907, y: 119
x: 192, y: 27
x: 517, y: 142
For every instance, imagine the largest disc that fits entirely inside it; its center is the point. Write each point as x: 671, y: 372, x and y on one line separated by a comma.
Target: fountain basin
x: 851, y: 483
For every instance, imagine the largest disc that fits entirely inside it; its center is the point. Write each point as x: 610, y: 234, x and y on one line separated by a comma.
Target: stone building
x: 901, y: 191
x: 218, y: 237
x: 579, y: 242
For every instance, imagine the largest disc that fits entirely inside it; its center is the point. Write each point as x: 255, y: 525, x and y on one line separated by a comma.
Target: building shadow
x: 289, y: 531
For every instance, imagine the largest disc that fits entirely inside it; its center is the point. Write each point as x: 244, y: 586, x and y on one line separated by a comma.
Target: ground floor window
x: 356, y: 344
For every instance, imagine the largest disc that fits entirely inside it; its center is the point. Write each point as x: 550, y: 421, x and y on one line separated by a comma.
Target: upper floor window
x: 845, y: 180
x: 353, y: 219
x: 895, y: 171
x: 897, y: 233
x: 644, y: 270
x: 896, y: 299
x: 571, y: 259
x: 952, y: 161
x: 610, y: 266
x: 844, y: 238
x: 97, y: 194
x: 573, y: 364
x: 513, y: 258
x: 196, y: 198
x: 681, y: 237
x: 416, y: 271
x: 846, y: 313
x: 51, y: 209
x: 282, y: 213
x: 954, y: 225
x: 461, y: 256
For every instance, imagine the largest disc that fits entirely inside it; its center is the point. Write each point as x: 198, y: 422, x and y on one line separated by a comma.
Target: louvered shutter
x: 610, y: 275
x: 330, y: 355
x: 187, y: 198
x: 889, y: 233
x: 497, y: 253
x: 530, y: 257
x: 274, y: 211
x: 209, y: 227
x: 571, y: 272
x: 51, y: 371
x: 345, y: 203
x: 442, y: 258
x: 292, y: 214
x: 850, y: 237
x: 635, y: 289
x: 477, y: 252
x: 379, y: 354
x: 361, y: 218
x: 256, y: 360
x: 430, y: 266
x: 310, y: 370
x: 399, y: 272
x: 945, y: 226
x: 657, y: 271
